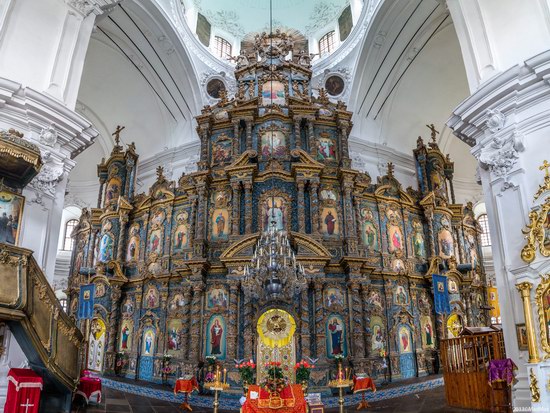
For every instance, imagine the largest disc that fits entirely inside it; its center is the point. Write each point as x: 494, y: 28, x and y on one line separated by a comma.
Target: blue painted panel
x: 146, y: 368
x: 407, y: 365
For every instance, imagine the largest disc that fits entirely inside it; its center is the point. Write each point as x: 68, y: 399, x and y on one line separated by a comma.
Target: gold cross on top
x: 116, y: 134
x: 434, y: 132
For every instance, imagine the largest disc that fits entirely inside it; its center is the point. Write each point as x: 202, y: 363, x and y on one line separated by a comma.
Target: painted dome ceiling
x: 240, y: 17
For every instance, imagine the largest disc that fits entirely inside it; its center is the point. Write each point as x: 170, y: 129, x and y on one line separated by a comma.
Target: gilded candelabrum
x: 341, y: 382
x: 218, y: 385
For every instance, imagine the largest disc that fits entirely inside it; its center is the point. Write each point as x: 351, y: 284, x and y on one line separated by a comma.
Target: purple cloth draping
x: 501, y: 370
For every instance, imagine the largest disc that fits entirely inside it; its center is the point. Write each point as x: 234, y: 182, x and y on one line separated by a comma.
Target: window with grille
x: 485, y: 235
x: 68, y: 242
x: 222, y: 47
x: 326, y: 44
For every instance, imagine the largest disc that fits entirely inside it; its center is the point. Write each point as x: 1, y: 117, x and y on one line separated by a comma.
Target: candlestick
x: 224, y: 375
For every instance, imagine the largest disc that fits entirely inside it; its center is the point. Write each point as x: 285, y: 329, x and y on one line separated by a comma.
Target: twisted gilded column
x: 248, y: 328
x: 320, y: 321
x: 304, y: 317
x: 186, y: 327
x: 232, y: 322
x: 121, y: 238
x: 358, y: 340
x: 301, y: 208
x: 114, y: 317
x: 249, y: 134
x: 198, y: 244
x: 196, y: 318
x: 314, y: 200
x: 366, y: 319
x: 298, y: 133
x: 248, y: 207
x: 525, y: 290
x: 311, y: 138
x: 236, y: 138
x: 236, y: 188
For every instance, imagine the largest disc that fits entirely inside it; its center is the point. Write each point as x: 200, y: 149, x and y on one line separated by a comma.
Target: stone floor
x: 432, y: 401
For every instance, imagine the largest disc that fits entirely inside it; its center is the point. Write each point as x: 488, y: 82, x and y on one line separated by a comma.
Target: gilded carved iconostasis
x: 169, y: 264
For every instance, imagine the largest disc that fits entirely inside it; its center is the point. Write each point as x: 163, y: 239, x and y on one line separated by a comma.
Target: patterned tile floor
x: 427, y: 399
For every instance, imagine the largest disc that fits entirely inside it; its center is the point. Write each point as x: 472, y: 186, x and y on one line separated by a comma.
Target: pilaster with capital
x: 305, y: 333
x: 315, y: 215
x: 186, y: 328
x: 301, y: 207
x: 298, y: 132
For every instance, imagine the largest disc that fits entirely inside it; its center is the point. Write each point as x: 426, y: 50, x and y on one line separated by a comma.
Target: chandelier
x: 273, y: 272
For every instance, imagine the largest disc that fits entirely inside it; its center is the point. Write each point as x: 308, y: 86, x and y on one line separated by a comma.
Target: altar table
x: 292, y: 395
x: 361, y: 385
x: 24, y: 388
x: 89, y: 386
x: 186, y: 386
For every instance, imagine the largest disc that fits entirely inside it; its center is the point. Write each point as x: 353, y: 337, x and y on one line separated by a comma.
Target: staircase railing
x: 49, y: 338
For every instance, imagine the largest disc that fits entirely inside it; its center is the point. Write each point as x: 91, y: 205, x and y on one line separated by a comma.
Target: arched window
x: 326, y: 44
x: 68, y: 242
x: 485, y: 235
x: 222, y: 47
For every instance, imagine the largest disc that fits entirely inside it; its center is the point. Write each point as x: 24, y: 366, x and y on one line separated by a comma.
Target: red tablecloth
x: 293, y: 399
x: 24, y: 387
x: 363, y: 384
x: 89, y: 387
x: 186, y: 386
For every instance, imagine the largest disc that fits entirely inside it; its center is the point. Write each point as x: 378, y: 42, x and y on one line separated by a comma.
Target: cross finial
x: 116, y: 134
x: 431, y: 127
x: 545, y: 166
x: 390, y: 168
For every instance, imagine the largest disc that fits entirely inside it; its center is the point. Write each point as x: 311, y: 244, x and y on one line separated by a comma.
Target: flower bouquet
x: 246, y: 371
x: 303, y: 371
x: 275, y: 381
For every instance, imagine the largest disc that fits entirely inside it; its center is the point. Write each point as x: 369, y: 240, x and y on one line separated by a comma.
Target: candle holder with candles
x: 218, y: 385
x: 341, y: 381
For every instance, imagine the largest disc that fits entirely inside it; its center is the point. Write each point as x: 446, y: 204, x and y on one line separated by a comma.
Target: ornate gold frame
x: 534, y: 233
x: 543, y: 287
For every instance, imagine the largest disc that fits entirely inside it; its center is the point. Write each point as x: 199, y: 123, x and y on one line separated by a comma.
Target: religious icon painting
x: 369, y: 233
x: 155, y: 241
x: 96, y: 347
x: 404, y: 339
x: 112, y: 191
x: 158, y: 217
x: 106, y: 248
x: 400, y: 296
x: 334, y: 297
x: 273, y: 92
x: 395, y: 238
x: 521, y: 332
x: 274, y: 211
x: 326, y: 148
x: 375, y: 299
x: 397, y: 265
x: 217, y: 298
x: 79, y: 260
x: 173, y: 343
x: 428, y: 340
x: 273, y: 143
x: 454, y: 326
x: 446, y: 243
x: 220, y: 224
x: 181, y: 233
x: 215, y: 337
x: 336, y: 336
x: 11, y: 213
x: 128, y: 307
x: 378, y: 342
x: 148, y: 346
x: 418, y: 240
x: 99, y: 290
x: 151, y: 298
x: 329, y: 221
x: 126, y: 331
x: 453, y: 286
x: 176, y: 303
x: 221, y: 150
x: 132, y: 252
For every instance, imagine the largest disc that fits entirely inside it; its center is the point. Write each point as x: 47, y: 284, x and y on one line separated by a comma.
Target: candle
x: 347, y: 373
x: 225, y: 376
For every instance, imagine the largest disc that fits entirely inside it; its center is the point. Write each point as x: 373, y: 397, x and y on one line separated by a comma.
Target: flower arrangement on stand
x: 166, y: 367
x: 303, y: 371
x: 121, y: 362
x: 246, y: 371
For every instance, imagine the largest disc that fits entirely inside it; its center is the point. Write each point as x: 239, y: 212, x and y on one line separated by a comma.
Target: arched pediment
x: 308, y: 249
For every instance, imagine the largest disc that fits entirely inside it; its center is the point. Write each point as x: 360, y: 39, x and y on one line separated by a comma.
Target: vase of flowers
x: 275, y: 381
x: 166, y: 367
x: 303, y: 371
x: 246, y: 371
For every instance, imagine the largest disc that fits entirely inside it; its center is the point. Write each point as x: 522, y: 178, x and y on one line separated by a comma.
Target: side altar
x: 168, y: 265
